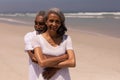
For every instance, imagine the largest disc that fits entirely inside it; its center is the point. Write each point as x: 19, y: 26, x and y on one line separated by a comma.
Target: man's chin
x: 38, y: 30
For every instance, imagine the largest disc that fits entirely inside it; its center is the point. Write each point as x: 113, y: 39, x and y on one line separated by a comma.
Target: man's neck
x: 37, y: 33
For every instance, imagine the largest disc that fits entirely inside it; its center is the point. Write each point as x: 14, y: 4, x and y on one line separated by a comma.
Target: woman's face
x: 53, y: 22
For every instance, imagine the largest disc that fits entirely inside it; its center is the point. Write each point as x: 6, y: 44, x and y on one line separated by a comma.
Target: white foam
x: 93, y: 15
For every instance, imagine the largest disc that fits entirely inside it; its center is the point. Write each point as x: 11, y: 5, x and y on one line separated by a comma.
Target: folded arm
x: 54, y: 63
x: 43, y: 61
x: 70, y: 62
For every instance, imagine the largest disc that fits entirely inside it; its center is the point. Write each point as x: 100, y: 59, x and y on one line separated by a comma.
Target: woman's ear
x: 46, y: 23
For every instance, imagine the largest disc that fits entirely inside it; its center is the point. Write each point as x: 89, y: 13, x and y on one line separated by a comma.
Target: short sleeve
x: 27, y: 42
x: 36, y: 42
x: 69, y: 43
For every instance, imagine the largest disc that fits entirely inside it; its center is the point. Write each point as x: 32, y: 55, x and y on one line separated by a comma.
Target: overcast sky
x: 65, y: 5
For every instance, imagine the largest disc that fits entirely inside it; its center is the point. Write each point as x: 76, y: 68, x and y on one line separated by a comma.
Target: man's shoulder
x: 30, y: 34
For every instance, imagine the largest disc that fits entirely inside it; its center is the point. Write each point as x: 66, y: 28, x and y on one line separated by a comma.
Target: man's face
x: 39, y: 23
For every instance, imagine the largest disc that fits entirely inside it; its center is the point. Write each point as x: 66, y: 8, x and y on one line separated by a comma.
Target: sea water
x: 107, y: 23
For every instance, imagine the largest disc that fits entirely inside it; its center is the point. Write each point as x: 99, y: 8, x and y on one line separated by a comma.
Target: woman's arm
x: 70, y: 62
x: 43, y: 61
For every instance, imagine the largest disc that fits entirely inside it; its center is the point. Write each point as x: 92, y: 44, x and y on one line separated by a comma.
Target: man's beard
x: 39, y: 30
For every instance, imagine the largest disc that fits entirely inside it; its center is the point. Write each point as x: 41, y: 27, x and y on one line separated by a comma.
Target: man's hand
x: 34, y: 59
x: 49, y: 72
x: 32, y: 56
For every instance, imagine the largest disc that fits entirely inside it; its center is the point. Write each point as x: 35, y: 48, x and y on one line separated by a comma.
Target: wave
x: 115, y: 15
x: 94, y: 13
x: 66, y: 14
x: 12, y: 17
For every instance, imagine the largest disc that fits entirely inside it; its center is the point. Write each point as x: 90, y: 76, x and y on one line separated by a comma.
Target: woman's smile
x: 53, y: 22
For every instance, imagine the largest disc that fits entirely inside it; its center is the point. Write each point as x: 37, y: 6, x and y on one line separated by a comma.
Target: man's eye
x: 39, y: 23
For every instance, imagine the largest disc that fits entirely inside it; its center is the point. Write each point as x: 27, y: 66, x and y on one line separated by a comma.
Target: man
x: 39, y: 28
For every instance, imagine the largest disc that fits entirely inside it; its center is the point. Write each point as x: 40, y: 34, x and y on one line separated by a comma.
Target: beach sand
x: 97, y: 56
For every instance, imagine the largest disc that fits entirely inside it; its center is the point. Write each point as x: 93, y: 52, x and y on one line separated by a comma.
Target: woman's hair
x: 62, y: 29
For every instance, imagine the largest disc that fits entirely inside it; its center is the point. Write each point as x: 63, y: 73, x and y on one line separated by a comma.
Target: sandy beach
x: 97, y: 56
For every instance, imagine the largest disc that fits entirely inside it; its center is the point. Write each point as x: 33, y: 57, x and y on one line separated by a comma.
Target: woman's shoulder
x: 39, y: 37
x: 65, y: 37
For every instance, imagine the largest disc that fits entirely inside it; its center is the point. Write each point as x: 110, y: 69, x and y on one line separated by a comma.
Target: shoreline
x: 106, y: 26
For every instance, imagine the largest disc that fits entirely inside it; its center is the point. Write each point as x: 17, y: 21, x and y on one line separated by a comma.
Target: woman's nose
x: 54, y: 23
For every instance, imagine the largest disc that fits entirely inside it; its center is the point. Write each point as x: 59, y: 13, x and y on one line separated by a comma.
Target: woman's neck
x: 52, y: 38
x: 52, y: 34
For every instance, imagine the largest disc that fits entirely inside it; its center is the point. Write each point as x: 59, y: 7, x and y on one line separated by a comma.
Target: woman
x: 53, y: 49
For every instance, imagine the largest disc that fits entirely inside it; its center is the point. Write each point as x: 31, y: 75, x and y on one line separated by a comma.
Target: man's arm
x: 28, y: 47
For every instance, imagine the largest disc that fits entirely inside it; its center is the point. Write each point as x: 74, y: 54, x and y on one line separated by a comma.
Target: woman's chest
x: 53, y: 51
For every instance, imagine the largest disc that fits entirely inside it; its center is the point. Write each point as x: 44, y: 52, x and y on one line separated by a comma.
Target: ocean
x: 107, y: 23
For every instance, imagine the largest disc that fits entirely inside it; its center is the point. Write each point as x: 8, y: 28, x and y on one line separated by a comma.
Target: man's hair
x: 41, y: 13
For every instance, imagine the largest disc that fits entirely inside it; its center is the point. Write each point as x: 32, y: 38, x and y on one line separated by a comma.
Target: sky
x: 64, y: 5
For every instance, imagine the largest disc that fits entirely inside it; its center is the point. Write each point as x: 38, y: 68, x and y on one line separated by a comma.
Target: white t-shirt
x: 33, y: 67
x: 48, y: 49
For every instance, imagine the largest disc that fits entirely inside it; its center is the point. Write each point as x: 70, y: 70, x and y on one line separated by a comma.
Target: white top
x: 48, y: 49
x: 28, y: 39
x: 33, y: 67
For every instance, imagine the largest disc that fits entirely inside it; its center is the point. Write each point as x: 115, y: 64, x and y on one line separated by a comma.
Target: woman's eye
x: 51, y: 20
x: 56, y: 21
